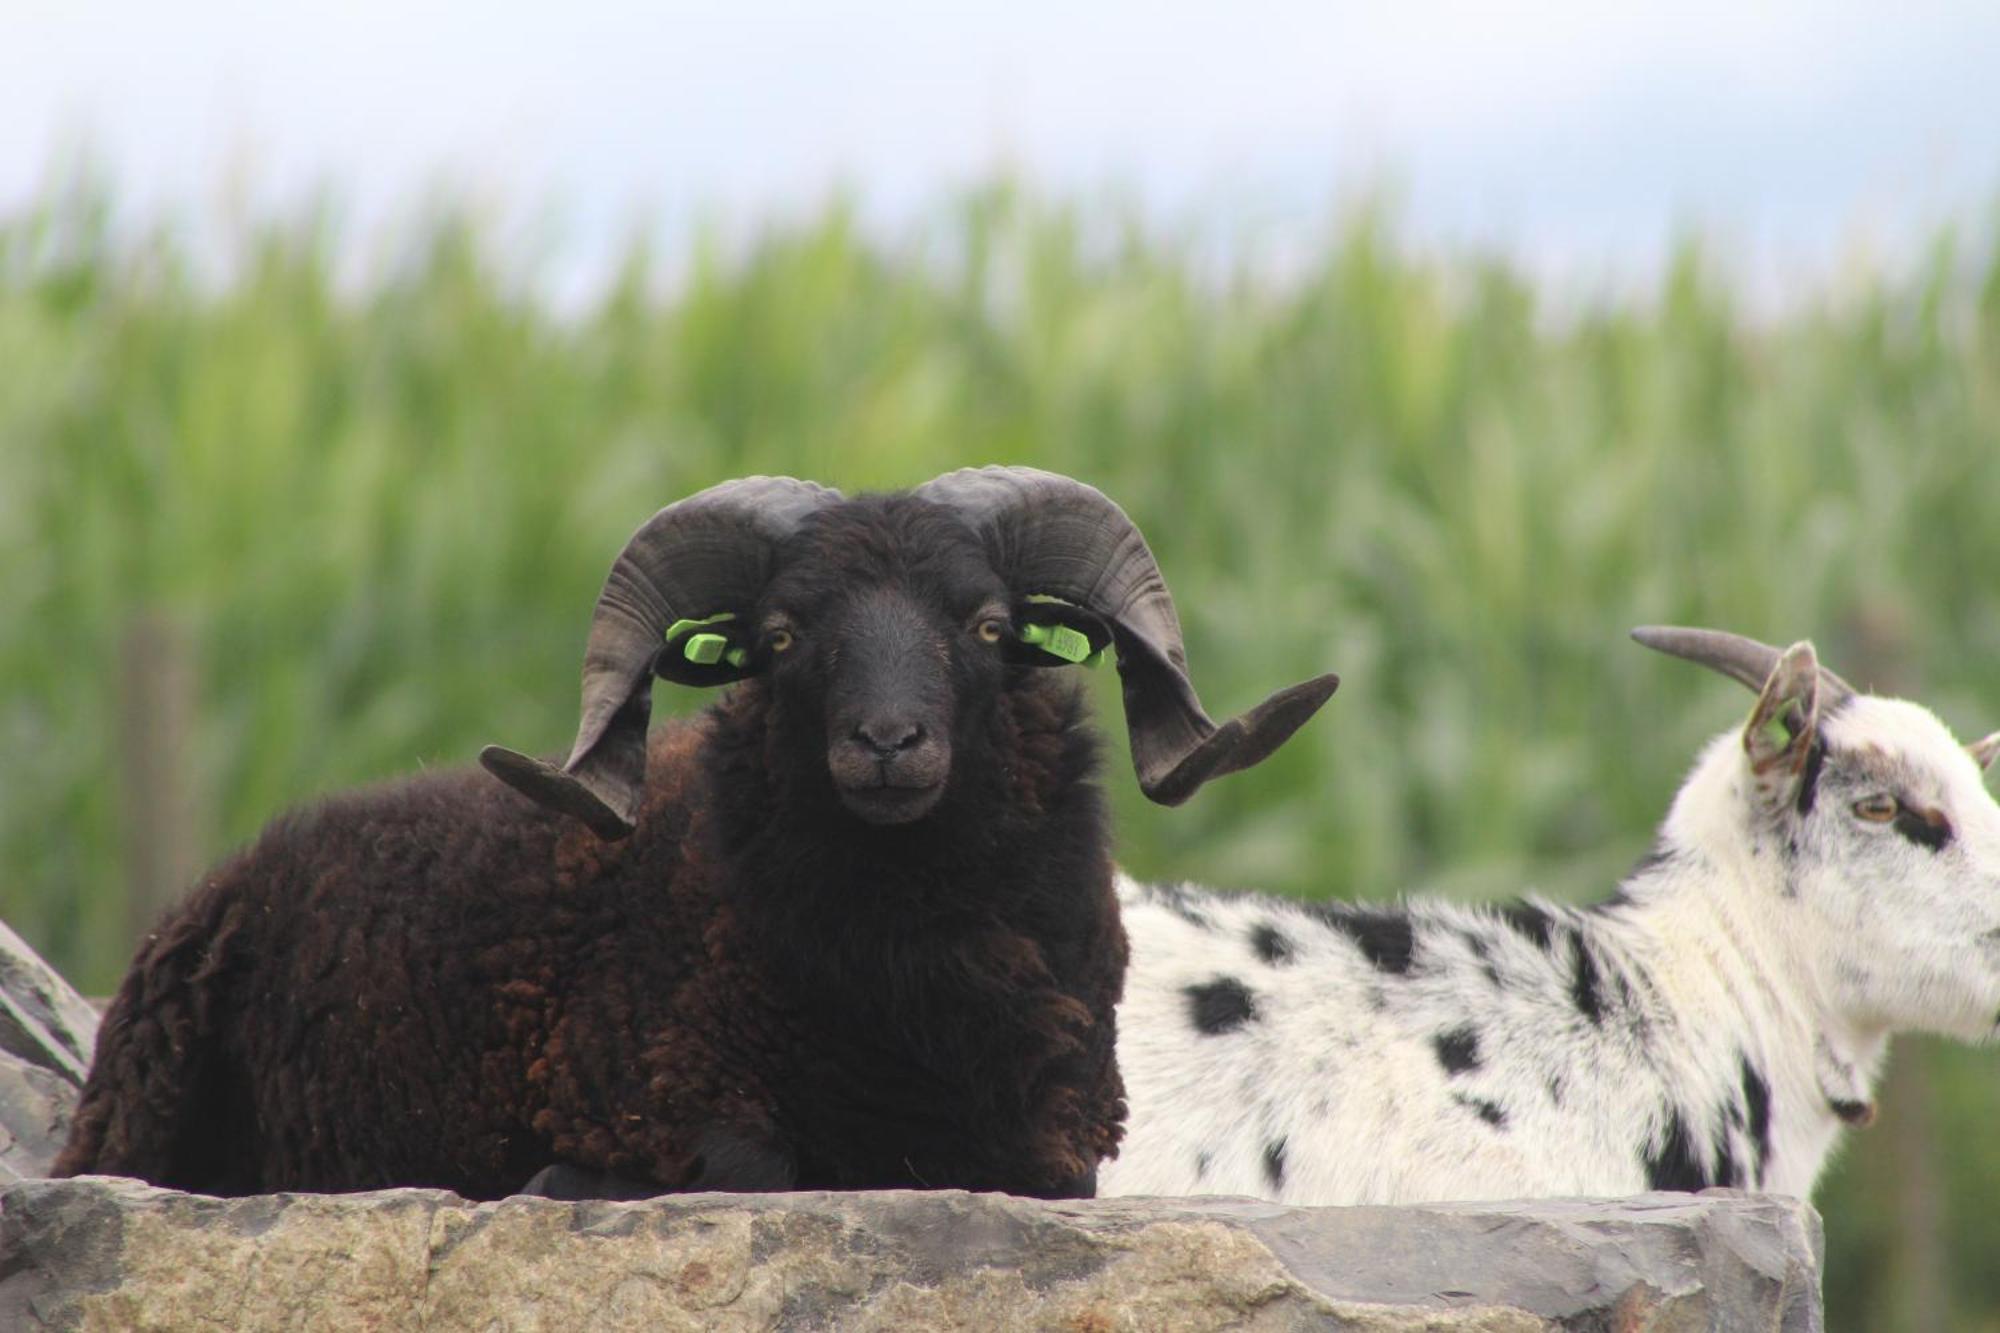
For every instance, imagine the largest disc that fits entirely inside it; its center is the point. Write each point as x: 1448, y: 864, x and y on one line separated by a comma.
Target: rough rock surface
x: 107, y: 1254
x: 47, y: 1032
x: 99, y: 1253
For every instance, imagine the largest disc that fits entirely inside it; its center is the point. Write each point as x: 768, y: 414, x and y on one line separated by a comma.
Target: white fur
x: 1755, y: 938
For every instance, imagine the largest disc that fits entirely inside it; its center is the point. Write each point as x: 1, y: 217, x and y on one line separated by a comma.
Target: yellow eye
x: 1878, y: 809
x: 991, y: 630
x: 780, y: 640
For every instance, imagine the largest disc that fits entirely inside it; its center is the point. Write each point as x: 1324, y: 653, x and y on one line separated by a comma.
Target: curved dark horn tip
x: 1237, y: 744
x: 708, y: 552
x: 1054, y: 535
x: 1742, y: 659
x: 565, y: 793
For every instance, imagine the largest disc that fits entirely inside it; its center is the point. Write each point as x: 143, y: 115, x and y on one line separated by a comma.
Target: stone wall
x: 47, y: 1033
x: 104, y: 1254
x: 121, y: 1257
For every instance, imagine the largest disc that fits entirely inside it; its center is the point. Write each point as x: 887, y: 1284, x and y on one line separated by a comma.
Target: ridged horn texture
x: 707, y: 553
x: 1741, y: 659
x: 1052, y: 535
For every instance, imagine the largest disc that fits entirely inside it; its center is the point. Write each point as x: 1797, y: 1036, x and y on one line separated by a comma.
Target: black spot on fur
x: 1490, y: 1112
x: 1934, y: 834
x: 1809, y: 779
x: 1457, y: 1050
x: 1674, y: 1165
x: 1555, y: 1087
x: 1274, y: 1164
x: 1530, y: 920
x: 1178, y: 899
x: 1201, y: 1161
x: 1384, y: 938
x: 1220, y: 1006
x: 1727, y: 1172
x: 1583, y: 982
x: 1270, y: 944
x: 1480, y: 950
x: 1757, y: 1108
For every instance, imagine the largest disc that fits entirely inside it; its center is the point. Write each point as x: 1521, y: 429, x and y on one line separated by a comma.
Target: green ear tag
x: 704, y: 649
x: 680, y: 627
x: 707, y: 649
x: 1058, y: 641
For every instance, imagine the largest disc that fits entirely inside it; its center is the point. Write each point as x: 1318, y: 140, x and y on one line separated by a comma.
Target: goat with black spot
x: 1828, y: 876
x: 851, y: 927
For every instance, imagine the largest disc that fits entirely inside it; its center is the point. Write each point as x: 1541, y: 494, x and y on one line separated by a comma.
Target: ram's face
x: 883, y: 630
x: 1898, y: 847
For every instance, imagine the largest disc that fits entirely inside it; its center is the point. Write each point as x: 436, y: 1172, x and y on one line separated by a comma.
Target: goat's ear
x: 1779, y: 737
x: 1986, y: 751
x: 715, y: 650
x: 1037, y: 646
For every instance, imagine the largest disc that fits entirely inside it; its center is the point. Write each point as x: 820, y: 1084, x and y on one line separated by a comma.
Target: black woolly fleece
x: 435, y: 983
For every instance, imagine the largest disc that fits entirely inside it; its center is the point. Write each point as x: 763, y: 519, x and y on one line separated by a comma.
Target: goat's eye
x: 780, y: 640
x: 991, y: 630
x: 1877, y: 809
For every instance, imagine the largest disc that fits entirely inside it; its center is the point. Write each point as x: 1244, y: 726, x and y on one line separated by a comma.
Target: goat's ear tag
x: 705, y: 649
x: 1781, y: 728
x: 1054, y: 633
x: 698, y: 655
x: 680, y: 627
x: 1058, y: 641
x: 1778, y: 738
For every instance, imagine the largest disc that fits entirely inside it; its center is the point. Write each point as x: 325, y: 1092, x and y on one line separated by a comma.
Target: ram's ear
x: 715, y: 650
x: 1986, y: 751
x: 713, y: 549
x: 1051, y: 536
x: 1039, y: 622
x: 1784, y: 725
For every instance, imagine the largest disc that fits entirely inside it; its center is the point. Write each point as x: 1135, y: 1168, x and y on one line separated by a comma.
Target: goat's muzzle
x: 889, y: 775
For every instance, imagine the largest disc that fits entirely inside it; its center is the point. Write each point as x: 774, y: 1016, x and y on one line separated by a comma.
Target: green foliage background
x: 379, y: 509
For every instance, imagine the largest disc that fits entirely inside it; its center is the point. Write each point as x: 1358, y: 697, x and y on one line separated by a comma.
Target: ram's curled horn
x: 708, y: 553
x: 1743, y: 660
x: 1050, y: 535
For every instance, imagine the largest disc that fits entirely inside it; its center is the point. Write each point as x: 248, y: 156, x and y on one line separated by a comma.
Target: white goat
x: 1826, y: 877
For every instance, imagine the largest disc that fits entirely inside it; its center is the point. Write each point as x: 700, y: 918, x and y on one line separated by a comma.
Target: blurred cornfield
x: 272, y: 533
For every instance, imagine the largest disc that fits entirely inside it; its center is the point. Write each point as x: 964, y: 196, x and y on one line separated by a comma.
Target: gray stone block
x: 42, y: 1019
x: 100, y: 1253
x: 47, y: 1033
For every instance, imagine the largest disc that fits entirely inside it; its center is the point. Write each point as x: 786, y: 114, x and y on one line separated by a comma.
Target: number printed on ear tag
x: 1058, y: 641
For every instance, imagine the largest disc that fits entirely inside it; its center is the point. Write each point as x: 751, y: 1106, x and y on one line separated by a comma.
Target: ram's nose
x: 890, y: 736
x: 890, y: 770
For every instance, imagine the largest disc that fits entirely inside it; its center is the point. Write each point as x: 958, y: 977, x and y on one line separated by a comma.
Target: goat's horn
x: 707, y: 553
x: 1051, y: 535
x: 1741, y: 659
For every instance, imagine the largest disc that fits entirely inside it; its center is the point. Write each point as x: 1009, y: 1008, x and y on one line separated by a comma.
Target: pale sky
x: 1580, y: 137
